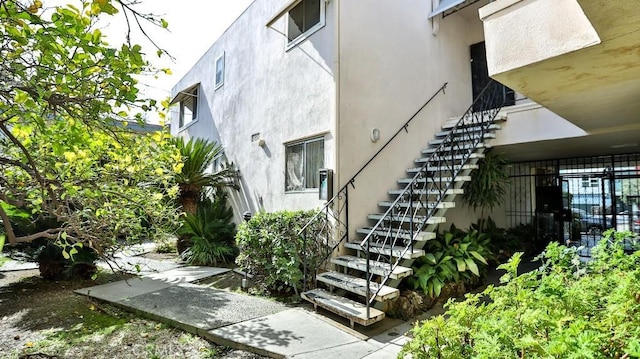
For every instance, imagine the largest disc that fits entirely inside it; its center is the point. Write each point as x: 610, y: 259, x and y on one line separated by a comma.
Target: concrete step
x: 430, y: 205
x: 375, y: 267
x: 347, y: 308
x: 435, y: 180
x: 401, y: 218
x: 415, y: 170
x: 468, y: 129
x: 451, y: 122
x: 397, y: 233
x: 487, y: 136
x: 451, y: 191
x: 461, y: 147
x: 388, y: 251
x: 358, y: 285
x: 455, y: 158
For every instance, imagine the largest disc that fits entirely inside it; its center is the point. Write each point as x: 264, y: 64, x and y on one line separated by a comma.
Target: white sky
x: 194, y: 25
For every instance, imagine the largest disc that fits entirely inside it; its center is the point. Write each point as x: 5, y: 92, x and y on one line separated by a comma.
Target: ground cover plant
x: 567, y: 308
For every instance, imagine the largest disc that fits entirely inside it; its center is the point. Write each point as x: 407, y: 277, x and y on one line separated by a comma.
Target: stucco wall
x: 283, y: 95
x: 390, y: 64
x: 523, y: 32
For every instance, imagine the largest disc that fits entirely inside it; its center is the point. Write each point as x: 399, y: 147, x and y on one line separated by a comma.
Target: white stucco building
x: 297, y: 85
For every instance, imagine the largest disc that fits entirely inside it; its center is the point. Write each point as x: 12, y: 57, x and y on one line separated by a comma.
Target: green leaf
x: 473, y: 267
x: 2, y: 239
x: 164, y: 23
x: 430, y: 257
x: 65, y: 254
x: 479, y: 257
x: 461, y: 264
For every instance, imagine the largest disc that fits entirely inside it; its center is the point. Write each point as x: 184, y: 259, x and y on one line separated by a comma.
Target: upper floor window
x: 220, y: 71
x: 304, y: 19
x: 303, y: 160
x: 188, y: 107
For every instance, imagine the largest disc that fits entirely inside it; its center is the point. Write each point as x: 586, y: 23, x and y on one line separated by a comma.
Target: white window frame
x: 219, y: 82
x: 182, y: 124
x: 291, y: 43
x: 303, y: 142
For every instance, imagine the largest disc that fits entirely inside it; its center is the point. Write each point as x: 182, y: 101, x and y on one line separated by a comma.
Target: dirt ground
x: 44, y: 319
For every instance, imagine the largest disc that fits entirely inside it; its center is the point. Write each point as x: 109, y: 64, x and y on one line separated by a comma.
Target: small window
x: 220, y: 71
x: 304, y: 19
x: 590, y: 182
x: 189, y: 107
x: 303, y: 160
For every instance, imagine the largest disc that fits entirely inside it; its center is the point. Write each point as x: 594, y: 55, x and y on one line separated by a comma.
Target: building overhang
x: 184, y: 94
x: 284, y: 10
x: 579, y: 58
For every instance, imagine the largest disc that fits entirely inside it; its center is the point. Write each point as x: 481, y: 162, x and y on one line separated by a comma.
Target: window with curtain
x: 303, y: 160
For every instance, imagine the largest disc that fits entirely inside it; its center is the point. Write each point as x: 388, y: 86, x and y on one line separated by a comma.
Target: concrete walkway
x: 245, y: 322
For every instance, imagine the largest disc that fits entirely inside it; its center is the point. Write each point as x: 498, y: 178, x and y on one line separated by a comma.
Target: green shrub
x: 454, y: 256
x: 272, y: 251
x: 565, y: 309
x: 211, y: 231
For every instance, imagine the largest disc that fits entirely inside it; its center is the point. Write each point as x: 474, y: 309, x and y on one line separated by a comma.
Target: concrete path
x: 241, y: 321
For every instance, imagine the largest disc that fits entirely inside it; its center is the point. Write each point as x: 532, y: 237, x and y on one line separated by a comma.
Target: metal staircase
x: 383, y: 252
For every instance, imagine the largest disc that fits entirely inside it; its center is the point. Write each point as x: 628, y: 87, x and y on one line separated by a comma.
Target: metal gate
x: 574, y: 200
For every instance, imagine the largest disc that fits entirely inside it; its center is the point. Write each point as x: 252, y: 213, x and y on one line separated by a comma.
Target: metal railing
x: 422, y: 197
x: 333, y: 218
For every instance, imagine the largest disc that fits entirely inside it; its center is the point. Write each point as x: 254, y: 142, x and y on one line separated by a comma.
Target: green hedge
x: 273, y: 253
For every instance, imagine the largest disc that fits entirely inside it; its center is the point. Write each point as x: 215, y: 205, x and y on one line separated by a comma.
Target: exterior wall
x: 545, y: 29
x: 282, y: 95
x: 390, y: 64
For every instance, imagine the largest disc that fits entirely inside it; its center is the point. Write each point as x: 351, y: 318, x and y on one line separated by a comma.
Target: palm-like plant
x: 198, y: 156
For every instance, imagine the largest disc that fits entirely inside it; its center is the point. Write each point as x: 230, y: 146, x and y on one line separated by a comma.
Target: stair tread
x: 435, y: 169
x: 407, y: 204
x: 358, y: 285
x: 436, y: 179
x: 489, y: 135
x: 389, y: 251
x: 344, y: 307
x: 448, y: 148
x: 377, y: 268
x: 430, y: 220
x: 431, y: 192
x: 448, y: 126
x: 447, y: 158
x: 399, y: 233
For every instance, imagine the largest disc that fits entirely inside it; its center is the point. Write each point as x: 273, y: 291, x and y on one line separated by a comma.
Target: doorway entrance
x: 480, y: 77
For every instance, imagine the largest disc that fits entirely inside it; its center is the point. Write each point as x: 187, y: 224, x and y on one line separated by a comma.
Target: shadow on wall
x: 242, y: 202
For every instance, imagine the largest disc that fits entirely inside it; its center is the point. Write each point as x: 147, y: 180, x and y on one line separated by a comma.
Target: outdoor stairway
x: 409, y: 219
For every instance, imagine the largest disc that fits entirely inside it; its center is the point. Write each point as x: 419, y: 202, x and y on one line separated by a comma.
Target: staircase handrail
x: 352, y: 179
x: 344, y: 189
x: 447, y: 141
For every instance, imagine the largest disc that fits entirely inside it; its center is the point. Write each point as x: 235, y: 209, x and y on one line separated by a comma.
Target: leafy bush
x: 211, y: 231
x: 565, y: 309
x: 272, y: 251
x: 454, y: 256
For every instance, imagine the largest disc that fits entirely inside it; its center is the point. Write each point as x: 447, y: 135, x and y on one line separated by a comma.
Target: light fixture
x: 374, y: 135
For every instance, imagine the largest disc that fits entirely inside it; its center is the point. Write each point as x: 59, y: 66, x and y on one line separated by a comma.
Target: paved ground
x: 241, y: 321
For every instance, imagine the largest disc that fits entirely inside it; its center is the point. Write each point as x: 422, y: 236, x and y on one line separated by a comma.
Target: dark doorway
x: 480, y: 77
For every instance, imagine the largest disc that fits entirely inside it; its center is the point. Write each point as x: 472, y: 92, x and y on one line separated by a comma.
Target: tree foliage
x: 66, y: 153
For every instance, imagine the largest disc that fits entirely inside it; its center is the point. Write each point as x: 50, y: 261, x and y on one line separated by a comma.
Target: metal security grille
x: 573, y: 200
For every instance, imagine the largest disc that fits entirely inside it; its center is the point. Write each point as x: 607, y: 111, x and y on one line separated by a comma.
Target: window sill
x: 218, y: 86
x: 184, y: 127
